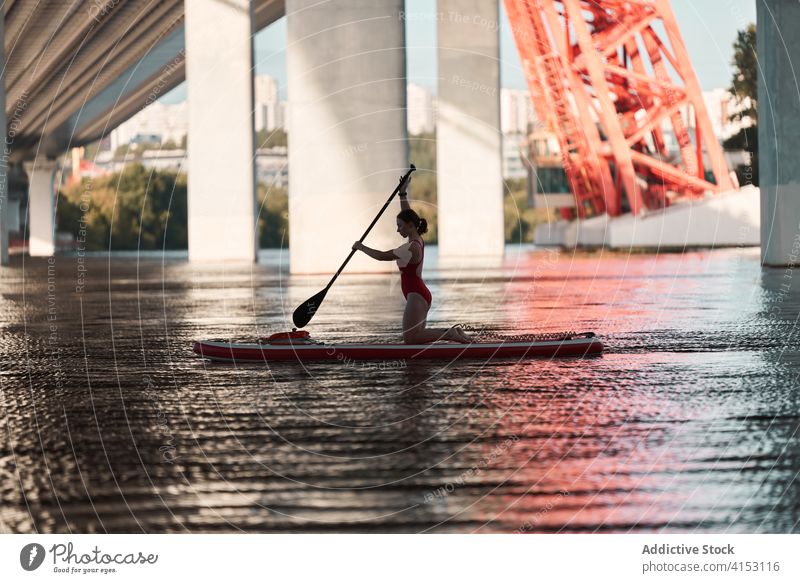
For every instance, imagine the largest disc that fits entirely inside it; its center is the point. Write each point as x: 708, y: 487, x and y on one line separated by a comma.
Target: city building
x: 272, y: 166
x: 721, y: 105
x: 269, y: 110
x: 158, y: 123
x: 516, y: 111
x: 514, y: 146
x: 421, y: 109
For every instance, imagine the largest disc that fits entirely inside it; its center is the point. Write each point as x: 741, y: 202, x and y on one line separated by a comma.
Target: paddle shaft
x: 403, y: 180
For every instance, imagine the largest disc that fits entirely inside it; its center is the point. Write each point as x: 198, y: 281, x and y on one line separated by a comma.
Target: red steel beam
x: 610, y: 102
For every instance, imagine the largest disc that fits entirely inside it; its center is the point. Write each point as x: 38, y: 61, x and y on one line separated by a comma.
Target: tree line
x: 146, y: 209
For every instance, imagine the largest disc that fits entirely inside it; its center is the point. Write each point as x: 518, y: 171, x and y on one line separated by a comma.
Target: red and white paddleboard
x: 298, y: 346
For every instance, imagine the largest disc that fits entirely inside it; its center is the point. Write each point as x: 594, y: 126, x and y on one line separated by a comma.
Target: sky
x: 708, y: 27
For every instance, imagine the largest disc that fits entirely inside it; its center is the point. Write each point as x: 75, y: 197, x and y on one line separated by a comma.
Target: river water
x: 688, y: 423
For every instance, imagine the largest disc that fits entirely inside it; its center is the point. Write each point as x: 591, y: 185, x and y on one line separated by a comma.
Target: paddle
x: 305, y: 311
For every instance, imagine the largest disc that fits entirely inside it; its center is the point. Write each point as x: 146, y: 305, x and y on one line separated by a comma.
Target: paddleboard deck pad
x: 298, y: 346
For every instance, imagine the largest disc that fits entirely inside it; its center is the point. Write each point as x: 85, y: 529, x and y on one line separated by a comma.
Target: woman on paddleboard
x: 418, y: 297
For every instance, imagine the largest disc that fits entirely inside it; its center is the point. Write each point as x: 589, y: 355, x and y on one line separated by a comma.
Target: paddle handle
x: 403, y: 180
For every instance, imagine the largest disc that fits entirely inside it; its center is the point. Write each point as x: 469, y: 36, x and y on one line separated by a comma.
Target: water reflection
x: 688, y: 423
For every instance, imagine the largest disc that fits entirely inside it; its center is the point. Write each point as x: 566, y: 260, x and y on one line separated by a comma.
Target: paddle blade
x: 305, y: 311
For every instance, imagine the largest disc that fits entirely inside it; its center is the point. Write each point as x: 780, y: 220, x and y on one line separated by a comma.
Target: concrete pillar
x: 468, y: 138
x: 347, y: 129
x: 41, y: 207
x: 778, y: 130
x: 220, y: 148
x: 4, y: 154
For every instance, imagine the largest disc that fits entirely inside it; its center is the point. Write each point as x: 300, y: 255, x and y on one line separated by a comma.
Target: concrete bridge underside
x: 76, y: 70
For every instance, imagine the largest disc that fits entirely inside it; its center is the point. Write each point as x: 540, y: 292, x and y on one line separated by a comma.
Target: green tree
x: 422, y: 153
x: 122, y: 151
x: 745, y: 76
x: 273, y: 217
x: 271, y: 139
x: 133, y: 209
x: 520, y: 219
x: 744, y: 86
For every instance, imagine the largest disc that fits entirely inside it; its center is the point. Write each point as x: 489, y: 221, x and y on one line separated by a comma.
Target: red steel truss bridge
x: 608, y: 77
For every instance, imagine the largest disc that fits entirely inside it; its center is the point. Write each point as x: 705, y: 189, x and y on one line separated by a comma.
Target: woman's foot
x: 466, y: 338
x: 456, y: 334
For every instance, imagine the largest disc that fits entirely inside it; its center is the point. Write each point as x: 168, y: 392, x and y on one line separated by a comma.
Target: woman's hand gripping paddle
x: 305, y: 311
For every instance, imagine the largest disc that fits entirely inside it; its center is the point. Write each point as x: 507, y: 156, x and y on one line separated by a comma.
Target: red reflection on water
x: 571, y: 458
x: 590, y: 441
x: 605, y: 292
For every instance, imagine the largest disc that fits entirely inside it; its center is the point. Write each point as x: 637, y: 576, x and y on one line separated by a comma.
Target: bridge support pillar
x: 347, y: 129
x: 3, y: 154
x: 41, y: 207
x: 468, y: 138
x: 779, y: 132
x: 221, y: 155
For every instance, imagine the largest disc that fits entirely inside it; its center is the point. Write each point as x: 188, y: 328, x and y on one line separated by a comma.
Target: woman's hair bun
x: 423, y: 227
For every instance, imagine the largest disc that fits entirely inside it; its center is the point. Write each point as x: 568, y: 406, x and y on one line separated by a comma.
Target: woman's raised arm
x: 404, y: 196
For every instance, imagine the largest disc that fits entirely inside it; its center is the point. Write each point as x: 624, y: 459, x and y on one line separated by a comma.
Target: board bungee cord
x: 484, y: 334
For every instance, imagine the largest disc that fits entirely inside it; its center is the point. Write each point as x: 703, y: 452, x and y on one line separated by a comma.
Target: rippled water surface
x: 688, y: 423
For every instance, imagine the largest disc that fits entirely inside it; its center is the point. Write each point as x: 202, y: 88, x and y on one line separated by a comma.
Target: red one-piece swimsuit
x: 410, y: 282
